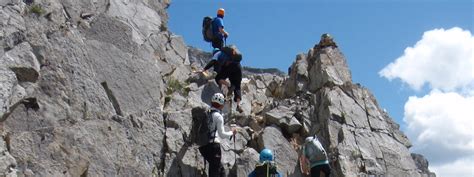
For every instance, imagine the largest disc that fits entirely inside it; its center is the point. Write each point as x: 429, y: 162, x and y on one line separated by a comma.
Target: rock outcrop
x: 96, y: 88
x: 360, y: 136
x: 422, y: 164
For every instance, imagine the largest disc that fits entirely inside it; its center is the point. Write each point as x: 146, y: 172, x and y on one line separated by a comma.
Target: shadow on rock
x: 208, y: 91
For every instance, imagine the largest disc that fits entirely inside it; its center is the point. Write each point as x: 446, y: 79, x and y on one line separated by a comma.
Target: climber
x: 266, y: 167
x: 315, y: 157
x: 218, y: 29
x: 226, y: 62
x: 326, y: 41
x: 212, y: 150
x: 231, y: 68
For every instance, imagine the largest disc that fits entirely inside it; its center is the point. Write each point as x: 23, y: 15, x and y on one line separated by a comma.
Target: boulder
x: 246, y: 162
x: 22, y: 61
x: 298, y: 76
x: 241, y: 140
x: 192, y: 163
x: 285, y: 156
x: 284, y: 117
x: 422, y: 164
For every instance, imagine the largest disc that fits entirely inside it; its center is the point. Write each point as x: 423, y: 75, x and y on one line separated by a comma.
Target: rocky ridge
x: 96, y: 88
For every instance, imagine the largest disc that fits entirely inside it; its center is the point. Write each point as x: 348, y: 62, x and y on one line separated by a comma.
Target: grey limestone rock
x: 327, y: 67
x: 283, y: 117
x: 286, y: 157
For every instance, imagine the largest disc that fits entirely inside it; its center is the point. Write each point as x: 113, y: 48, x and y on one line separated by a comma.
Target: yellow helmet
x: 220, y: 11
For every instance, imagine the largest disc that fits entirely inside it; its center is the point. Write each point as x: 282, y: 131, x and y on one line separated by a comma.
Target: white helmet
x: 218, y: 98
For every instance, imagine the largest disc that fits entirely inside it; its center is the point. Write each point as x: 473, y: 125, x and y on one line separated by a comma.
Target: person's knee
x: 219, y: 80
x: 237, y: 98
x: 237, y: 95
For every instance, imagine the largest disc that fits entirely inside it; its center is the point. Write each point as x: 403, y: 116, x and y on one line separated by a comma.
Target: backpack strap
x: 268, y: 170
x: 212, y: 134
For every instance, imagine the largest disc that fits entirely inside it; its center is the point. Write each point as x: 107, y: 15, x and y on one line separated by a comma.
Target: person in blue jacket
x: 266, y: 166
x: 218, y: 29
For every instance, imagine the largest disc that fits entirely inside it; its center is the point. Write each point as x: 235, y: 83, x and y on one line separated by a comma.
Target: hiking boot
x: 239, y: 108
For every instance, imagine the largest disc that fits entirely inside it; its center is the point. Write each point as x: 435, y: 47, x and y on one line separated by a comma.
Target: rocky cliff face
x: 83, y: 85
x: 101, y: 88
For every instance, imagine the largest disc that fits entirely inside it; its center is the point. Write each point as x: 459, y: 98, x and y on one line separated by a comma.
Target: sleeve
x: 220, y: 126
x: 216, y: 55
x: 220, y: 23
x: 210, y: 64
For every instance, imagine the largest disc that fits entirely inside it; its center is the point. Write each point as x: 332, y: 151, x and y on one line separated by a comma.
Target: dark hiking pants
x: 233, y: 71
x: 316, y: 171
x: 212, y: 154
x: 218, y: 43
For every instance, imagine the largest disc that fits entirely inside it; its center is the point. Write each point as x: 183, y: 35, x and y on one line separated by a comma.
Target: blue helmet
x: 266, y: 155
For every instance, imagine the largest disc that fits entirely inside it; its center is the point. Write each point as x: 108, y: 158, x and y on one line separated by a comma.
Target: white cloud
x: 441, y: 127
x: 460, y: 168
x: 441, y: 123
x: 442, y: 58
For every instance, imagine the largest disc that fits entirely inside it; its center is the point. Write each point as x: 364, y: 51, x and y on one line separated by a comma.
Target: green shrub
x: 173, y: 86
x: 186, y: 91
x: 37, y: 9
x: 356, y: 154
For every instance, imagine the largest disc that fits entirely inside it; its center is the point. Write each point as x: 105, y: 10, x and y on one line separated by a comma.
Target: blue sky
x: 371, y: 34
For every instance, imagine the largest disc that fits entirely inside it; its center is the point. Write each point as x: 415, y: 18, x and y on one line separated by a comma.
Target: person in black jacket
x: 227, y: 68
